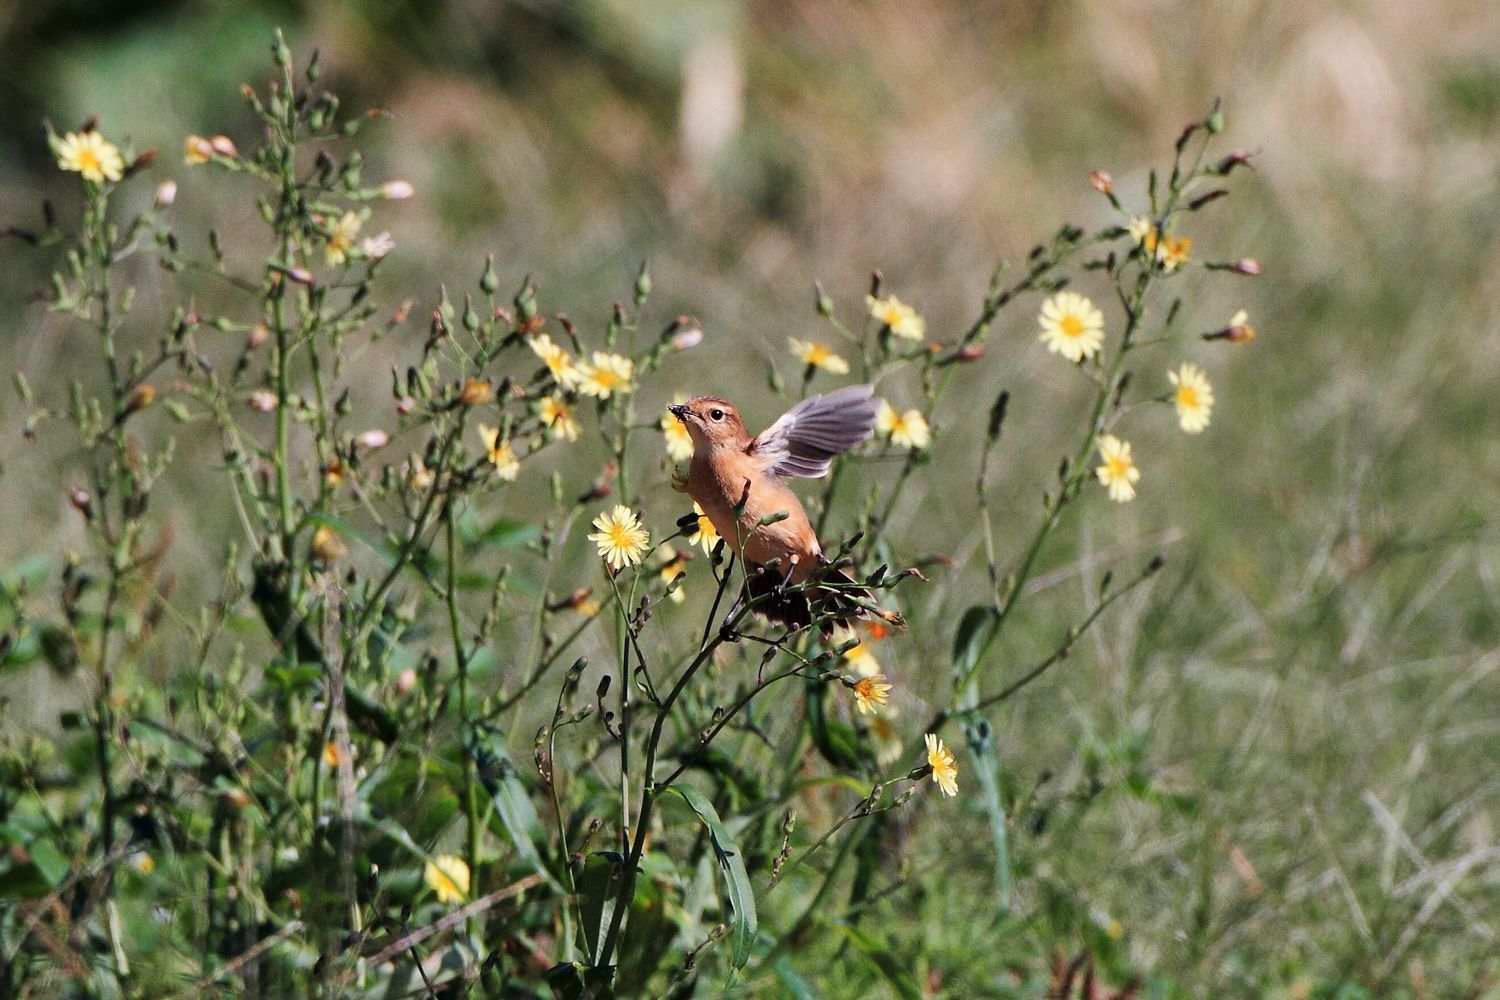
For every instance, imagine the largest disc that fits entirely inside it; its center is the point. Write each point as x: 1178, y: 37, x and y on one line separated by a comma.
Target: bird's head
x: 712, y: 421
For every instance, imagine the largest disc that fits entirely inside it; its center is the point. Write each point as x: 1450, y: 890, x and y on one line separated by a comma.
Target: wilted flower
x: 341, y: 236
x: 501, y: 455
x: 1118, y: 472
x: 605, y: 374
x: 1071, y: 326
x: 900, y: 318
x: 141, y: 397
x: 397, y: 190
x: 377, y: 246
x: 372, y: 439
x: 682, y: 340
x: 679, y: 441
x: 815, y: 354
x: 90, y: 154
x: 448, y: 877
x: 944, y: 767
x: 327, y: 546
x: 476, y: 392
x: 620, y: 538
x: 197, y: 150
x: 1194, y: 397
x: 418, y: 475
x: 704, y: 534
x: 1238, y: 331
x: 906, y: 430
x: 1173, y: 251
x: 556, y: 415
x: 1101, y: 181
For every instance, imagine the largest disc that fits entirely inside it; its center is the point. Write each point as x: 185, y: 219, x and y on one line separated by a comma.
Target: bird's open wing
x: 804, y: 439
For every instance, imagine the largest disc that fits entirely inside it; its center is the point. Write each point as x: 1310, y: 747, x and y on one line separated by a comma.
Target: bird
x: 739, y: 482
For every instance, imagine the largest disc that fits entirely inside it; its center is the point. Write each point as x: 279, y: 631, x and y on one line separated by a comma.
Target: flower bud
x: 140, y: 398
x: 687, y: 338
x: 262, y: 401
x: 81, y: 501
x: 1102, y: 182
x: 1239, y: 330
x: 197, y: 150
x: 969, y: 353
x: 166, y: 193
x: 397, y: 190
x: 1246, y: 265
x: 222, y: 145
x: 406, y: 680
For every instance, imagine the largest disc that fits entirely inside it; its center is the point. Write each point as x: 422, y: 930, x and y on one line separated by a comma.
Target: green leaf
x: 506, y: 532
x: 890, y: 965
x: 731, y: 860
x: 987, y: 770
x: 51, y: 862
x: 513, y: 808
x: 598, y: 894
x: 973, y: 632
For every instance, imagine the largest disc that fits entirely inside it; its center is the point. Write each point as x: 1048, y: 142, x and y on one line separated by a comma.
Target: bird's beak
x: 679, y: 411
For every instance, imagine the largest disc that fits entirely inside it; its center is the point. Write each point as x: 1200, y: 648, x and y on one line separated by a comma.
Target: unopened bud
x: 1239, y: 330
x: 196, y: 150
x: 300, y: 275
x: 81, y: 501
x: 397, y: 190
x: 405, y: 405
x: 1238, y: 158
x: 406, y: 680
x: 261, y: 401
x: 476, y: 392
x: 166, y: 193
x: 258, y: 335
x: 222, y: 145
x: 1246, y: 265
x: 969, y: 353
x: 825, y: 304
x: 1102, y: 182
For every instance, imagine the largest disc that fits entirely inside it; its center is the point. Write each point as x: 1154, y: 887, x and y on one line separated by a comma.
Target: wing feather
x: 804, y: 440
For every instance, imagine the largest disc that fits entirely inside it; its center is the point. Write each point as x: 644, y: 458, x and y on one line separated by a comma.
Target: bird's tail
x: 832, y: 598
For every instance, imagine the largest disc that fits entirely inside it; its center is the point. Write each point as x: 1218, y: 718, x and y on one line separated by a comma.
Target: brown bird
x: 729, y: 466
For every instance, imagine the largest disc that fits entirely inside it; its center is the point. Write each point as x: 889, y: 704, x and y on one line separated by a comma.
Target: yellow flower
x: 448, y: 876
x: 1173, y: 251
x: 143, y: 863
x: 476, y: 392
x: 557, y: 416
x: 418, y: 476
x: 1194, y: 397
x: 605, y: 374
x: 902, y: 319
x: 861, y: 660
x: 501, y: 455
x: 558, y: 361
x: 705, y: 535
x: 906, y: 430
x: 588, y: 608
x: 818, y: 355
x: 341, y: 237
x: 870, y: 693
x: 674, y: 562
x: 888, y: 745
x: 944, y: 767
x: 1118, y: 471
x: 1071, y: 326
x: 621, y: 539
x: 90, y: 154
x: 197, y: 150
x: 679, y: 441
x: 1239, y: 330
x: 331, y: 754
x: 1143, y: 231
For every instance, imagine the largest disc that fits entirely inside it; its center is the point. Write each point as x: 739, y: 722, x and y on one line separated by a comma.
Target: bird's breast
x: 717, y: 483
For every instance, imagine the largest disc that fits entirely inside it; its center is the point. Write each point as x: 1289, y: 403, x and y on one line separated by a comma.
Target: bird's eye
x: 716, y: 413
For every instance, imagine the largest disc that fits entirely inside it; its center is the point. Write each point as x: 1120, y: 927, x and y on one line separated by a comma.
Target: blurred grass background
x: 1314, y: 675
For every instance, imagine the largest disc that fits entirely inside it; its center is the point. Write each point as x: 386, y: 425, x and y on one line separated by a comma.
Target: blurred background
x: 1316, y: 676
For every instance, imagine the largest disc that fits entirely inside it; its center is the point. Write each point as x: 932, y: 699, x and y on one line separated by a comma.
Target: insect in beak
x: 679, y: 411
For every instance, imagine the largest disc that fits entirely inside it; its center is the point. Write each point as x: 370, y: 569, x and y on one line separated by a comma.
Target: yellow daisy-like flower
x: 888, y: 745
x: 557, y: 416
x: 1143, y: 231
x: 944, y: 767
x: 605, y: 374
x: 870, y: 693
x: 906, y: 430
x: 679, y: 441
x: 448, y: 877
x: 1173, y: 251
x: 1194, y: 397
x: 674, y: 562
x: 501, y: 455
x: 705, y: 534
x: 621, y: 539
x: 860, y: 659
x: 1071, y: 326
x: 90, y: 154
x: 902, y: 319
x: 1118, y: 471
x: 341, y: 237
x: 331, y: 754
x: 558, y: 361
x: 197, y: 151
x: 815, y: 354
